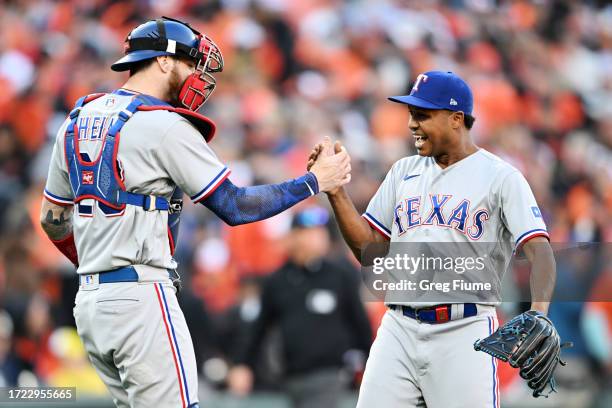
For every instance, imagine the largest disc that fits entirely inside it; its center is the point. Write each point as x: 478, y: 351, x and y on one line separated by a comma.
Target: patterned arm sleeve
x: 243, y: 205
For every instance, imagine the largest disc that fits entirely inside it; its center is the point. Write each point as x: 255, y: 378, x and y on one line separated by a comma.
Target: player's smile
x: 418, y: 117
x: 419, y: 141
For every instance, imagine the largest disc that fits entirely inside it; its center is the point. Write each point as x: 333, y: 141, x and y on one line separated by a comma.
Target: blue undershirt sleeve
x: 243, y: 205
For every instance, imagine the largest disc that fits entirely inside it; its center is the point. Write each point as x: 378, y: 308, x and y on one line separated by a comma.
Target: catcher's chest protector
x: 101, y: 178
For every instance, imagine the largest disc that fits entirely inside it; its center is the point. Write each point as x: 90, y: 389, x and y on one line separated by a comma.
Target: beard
x: 174, y: 88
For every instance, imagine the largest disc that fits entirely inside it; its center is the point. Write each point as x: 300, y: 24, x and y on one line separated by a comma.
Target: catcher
x: 113, y: 196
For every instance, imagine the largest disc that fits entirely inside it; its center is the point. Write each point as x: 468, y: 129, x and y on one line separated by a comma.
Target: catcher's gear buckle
x: 150, y: 203
x: 176, y: 206
x: 175, y: 278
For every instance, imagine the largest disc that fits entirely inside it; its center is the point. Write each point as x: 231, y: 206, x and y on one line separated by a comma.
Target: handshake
x: 331, y: 165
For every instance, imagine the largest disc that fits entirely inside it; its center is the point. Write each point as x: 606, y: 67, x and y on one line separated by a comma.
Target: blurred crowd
x: 295, y: 71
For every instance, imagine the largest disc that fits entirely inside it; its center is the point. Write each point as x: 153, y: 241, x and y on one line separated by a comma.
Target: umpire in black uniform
x: 315, y: 303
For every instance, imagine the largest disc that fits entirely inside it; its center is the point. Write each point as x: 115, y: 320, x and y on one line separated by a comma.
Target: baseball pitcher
x: 451, y: 192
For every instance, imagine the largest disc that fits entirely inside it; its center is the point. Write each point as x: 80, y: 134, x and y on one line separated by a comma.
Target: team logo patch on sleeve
x: 536, y: 212
x: 87, y: 177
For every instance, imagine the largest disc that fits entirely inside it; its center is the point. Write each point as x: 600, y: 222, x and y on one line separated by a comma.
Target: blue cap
x: 310, y: 217
x: 439, y: 90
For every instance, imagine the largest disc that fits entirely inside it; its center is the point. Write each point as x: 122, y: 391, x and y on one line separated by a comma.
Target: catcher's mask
x: 167, y: 36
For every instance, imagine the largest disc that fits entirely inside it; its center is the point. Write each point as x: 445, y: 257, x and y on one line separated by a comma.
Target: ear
x: 456, y: 120
x: 165, y: 63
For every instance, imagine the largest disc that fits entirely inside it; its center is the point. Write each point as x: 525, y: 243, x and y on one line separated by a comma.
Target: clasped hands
x: 331, y: 164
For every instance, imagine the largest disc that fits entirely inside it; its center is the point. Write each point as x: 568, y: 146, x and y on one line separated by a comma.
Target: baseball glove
x: 531, y: 343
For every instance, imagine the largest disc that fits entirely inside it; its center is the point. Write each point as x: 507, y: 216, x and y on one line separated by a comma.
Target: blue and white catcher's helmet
x: 167, y: 36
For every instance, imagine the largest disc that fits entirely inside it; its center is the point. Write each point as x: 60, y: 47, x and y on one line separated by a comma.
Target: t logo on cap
x: 415, y: 87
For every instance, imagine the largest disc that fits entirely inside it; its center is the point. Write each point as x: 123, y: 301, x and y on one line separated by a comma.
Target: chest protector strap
x: 101, y: 179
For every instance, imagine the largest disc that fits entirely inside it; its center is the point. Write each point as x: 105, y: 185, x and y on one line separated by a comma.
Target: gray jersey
x: 478, y: 199
x: 158, y: 151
